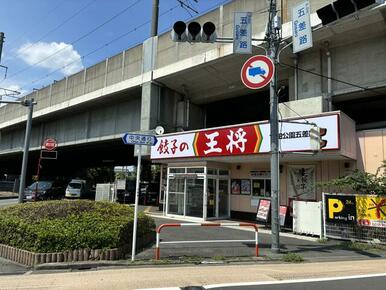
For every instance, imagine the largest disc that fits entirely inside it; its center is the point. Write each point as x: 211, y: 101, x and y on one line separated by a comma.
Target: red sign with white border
x: 50, y: 144
x: 257, y: 72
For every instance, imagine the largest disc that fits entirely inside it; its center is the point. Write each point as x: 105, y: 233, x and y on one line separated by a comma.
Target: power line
x: 105, y: 45
x: 187, y: 7
x: 376, y: 92
x: 121, y: 36
x: 61, y: 24
x: 76, y: 40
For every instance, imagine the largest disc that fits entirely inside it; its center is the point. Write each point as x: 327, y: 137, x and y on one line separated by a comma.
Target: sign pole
x: 136, y: 204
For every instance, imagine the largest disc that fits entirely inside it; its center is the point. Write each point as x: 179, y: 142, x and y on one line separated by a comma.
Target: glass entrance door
x: 217, y: 198
x: 194, y: 192
x: 223, y: 197
x: 211, y: 198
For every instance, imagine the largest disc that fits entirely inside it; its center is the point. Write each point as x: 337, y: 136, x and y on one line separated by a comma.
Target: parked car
x: 127, y: 195
x: 77, y: 188
x: 44, y: 190
x: 149, y: 193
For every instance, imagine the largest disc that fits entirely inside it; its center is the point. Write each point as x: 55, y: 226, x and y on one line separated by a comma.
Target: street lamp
x: 30, y: 104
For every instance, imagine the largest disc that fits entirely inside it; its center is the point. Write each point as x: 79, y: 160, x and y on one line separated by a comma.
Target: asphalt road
x: 373, y: 282
x: 7, y: 202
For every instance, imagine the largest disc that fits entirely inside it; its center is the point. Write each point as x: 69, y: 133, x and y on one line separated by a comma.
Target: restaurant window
x: 261, y: 187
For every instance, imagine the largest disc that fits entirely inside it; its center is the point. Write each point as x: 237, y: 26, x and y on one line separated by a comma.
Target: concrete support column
x: 149, y: 106
x: 150, y: 99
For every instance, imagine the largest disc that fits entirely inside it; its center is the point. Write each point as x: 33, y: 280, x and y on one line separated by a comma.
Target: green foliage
x: 100, y: 175
x: 361, y: 246
x: 292, y: 258
x: 52, y: 226
x: 361, y: 182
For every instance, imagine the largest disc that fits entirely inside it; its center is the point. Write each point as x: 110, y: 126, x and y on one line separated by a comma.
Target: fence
x: 176, y: 225
x: 105, y: 192
x: 354, y: 217
x: 8, y: 186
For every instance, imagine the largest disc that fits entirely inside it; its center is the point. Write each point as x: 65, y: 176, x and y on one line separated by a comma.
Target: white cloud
x: 67, y: 59
x: 6, y: 89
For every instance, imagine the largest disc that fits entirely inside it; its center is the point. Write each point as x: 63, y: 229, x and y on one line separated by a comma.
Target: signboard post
x: 301, y: 27
x: 242, y: 33
x: 137, y: 139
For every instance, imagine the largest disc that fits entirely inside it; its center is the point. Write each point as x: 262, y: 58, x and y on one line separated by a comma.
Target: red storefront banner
x: 228, y: 141
x: 246, y: 139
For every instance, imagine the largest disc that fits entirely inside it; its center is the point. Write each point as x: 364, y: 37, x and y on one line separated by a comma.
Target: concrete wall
x: 106, y: 122
x: 115, y: 69
x: 371, y: 149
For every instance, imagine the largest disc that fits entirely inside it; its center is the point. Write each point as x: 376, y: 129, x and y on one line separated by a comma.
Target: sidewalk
x: 167, y: 276
x: 7, y: 195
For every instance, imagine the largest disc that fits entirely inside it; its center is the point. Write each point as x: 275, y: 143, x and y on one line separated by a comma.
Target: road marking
x: 262, y: 231
x: 294, y: 281
x: 167, y: 288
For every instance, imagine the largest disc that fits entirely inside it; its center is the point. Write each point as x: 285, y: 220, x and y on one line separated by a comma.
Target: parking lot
x: 310, y: 248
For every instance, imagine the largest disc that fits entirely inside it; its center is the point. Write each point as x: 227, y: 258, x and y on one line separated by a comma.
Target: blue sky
x: 71, y: 29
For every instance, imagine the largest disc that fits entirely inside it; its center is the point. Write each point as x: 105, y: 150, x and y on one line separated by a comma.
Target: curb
x: 79, y: 265
x: 140, y: 264
x: 8, y: 197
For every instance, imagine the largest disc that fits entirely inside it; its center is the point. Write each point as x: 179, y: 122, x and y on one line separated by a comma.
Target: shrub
x: 360, y: 182
x: 292, y: 258
x: 53, y: 226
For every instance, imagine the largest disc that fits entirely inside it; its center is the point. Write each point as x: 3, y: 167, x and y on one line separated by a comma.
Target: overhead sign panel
x: 139, y: 139
x: 301, y: 27
x: 257, y: 72
x: 242, y: 33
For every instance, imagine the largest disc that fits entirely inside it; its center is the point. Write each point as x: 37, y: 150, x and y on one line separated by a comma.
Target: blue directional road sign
x: 139, y: 139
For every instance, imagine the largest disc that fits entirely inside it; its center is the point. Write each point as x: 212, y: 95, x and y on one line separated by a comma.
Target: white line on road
x: 167, y: 288
x: 293, y: 281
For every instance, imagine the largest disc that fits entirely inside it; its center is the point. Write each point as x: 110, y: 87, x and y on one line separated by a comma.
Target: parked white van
x: 76, y: 189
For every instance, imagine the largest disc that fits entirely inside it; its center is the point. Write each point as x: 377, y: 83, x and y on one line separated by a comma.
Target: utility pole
x: 1, y: 43
x: 30, y: 104
x: 273, y: 38
x: 154, y: 19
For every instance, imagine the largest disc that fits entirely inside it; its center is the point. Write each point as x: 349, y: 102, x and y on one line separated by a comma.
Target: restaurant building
x: 224, y: 172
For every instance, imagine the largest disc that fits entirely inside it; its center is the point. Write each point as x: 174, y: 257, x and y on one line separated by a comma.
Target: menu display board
x: 263, y: 209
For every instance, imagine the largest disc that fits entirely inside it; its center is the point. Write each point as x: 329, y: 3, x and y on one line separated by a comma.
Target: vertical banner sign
x: 301, y: 27
x: 301, y: 182
x: 282, y: 214
x: 242, y: 33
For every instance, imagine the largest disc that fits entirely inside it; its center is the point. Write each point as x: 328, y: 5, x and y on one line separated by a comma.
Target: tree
x: 100, y: 175
x: 361, y: 182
